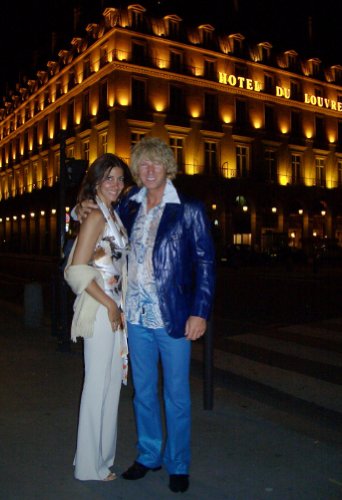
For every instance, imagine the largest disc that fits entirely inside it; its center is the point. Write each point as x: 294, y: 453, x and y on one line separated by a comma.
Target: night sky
x: 25, y: 31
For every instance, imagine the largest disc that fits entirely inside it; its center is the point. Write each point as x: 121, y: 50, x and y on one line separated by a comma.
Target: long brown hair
x: 97, y: 171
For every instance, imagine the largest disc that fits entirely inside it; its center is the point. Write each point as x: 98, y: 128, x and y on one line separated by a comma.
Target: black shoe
x: 179, y: 482
x: 137, y: 471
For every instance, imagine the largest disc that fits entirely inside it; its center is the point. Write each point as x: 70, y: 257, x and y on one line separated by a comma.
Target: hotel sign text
x: 254, y: 85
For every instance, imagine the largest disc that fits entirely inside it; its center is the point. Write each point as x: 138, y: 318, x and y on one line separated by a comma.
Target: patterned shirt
x: 142, y: 305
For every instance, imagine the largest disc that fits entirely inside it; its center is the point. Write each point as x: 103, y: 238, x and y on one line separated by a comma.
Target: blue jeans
x: 147, y: 346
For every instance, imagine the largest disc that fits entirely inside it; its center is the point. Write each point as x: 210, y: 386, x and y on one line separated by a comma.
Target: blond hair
x: 152, y: 149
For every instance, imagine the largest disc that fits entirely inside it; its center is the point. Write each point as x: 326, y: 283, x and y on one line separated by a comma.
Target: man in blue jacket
x: 169, y: 299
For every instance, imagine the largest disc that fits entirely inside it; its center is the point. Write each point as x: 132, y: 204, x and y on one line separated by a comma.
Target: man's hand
x: 195, y: 327
x: 84, y: 208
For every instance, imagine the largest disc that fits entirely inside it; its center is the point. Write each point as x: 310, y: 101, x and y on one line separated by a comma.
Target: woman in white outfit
x: 96, y: 273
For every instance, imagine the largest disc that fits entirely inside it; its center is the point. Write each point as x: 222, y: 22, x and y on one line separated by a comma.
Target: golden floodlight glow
x: 121, y: 55
x: 284, y: 127
x: 15, y: 217
x: 42, y: 212
x: 32, y: 214
x: 308, y: 132
x: 67, y: 209
x: 7, y: 218
x: 331, y: 137
x: 123, y: 100
x: 53, y: 211
x: 214, y: 206
x: 226, y: 118
x: 23, y: 216
x: 274, y: 210
x: 300, y: 211
x: 78, y: 117
x: 314, y: 234
x: 283, y: 180
x: 257, y: 123
x: 64, y: 123
x: 293, y: 235
x: 245, y: 208
x: 94, y: 109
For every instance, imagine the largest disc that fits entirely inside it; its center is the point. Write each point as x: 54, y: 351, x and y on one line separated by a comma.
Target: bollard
x: 33, y: 305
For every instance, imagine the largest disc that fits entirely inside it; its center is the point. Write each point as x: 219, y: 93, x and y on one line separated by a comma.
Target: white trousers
x: 97, y: 426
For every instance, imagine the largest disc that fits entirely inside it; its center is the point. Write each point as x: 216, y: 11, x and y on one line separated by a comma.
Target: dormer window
x: 236, y: 43
x: 172, y: 24
x: 264, y: 51
x: 136, y: 13
x: 336, y: 72
x: 291, y: 58
x: 206, y: 33
x: 314, y: 66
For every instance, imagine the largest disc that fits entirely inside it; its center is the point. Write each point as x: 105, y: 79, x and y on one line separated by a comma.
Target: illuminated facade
x: 257, y: 134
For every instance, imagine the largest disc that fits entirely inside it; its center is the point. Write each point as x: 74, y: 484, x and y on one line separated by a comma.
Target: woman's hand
x: 84, y: 208
x: 114, y: 316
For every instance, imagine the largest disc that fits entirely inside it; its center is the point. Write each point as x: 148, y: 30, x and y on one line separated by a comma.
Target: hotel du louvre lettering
x: 254, y: 85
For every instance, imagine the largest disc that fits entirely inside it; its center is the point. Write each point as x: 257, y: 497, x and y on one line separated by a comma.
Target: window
x: 240, y: 112
x: 45, y: 171
x: 70, y: 152
x: 86, y: 68
x: 56, y: 165
x: 319, y: 125
x: 339, y: 173
x: 34, y: 174
x: 103, y: 143
x: 85, y: 106
x: 211, y: 106
x: 320, y: 171
x: 103, y: 97
x: 242, y: 161
x: 235, y: 42
x: 241, y: 70
x: 176, y: 100
x: 210, y: 69
x: 138, y: 94
x: 295, y: 89
x: 210, y: 157
x: 173, y: 28
x: 70, y: 114
x: 176, y: 144
x: 57, y: 120
x: 103, y: 56
x: 85, y: 150
x: 136, y: 18
x: 268, y: 84
x: 138, y: 53
x: 269, y: 118
x: 176, y: 60
x: 295, y: 168
x: 270, y: 165
x: 339, y: 132
x: 296, y: 126
x: 136, y: 137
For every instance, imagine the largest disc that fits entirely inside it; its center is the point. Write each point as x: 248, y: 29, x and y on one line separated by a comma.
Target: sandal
x: 111, y: 476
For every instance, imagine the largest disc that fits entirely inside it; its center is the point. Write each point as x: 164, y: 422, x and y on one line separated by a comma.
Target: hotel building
x: 257, y: 134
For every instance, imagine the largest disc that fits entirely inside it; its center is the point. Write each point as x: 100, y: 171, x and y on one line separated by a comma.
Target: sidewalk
x: 239, y: 453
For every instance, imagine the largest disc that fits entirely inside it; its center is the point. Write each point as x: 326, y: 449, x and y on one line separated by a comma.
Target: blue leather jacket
x: 183, y: 260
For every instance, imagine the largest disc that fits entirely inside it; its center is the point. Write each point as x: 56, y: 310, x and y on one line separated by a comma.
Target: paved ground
x: 241, y: 449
